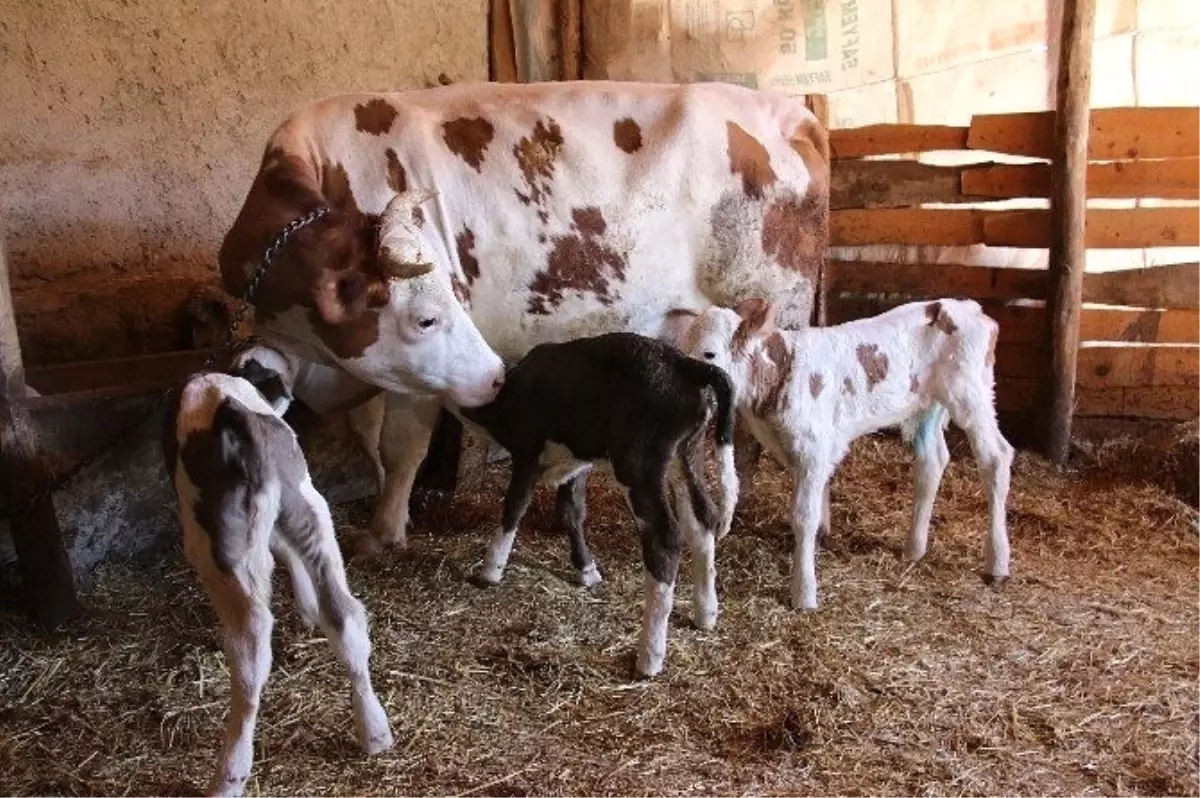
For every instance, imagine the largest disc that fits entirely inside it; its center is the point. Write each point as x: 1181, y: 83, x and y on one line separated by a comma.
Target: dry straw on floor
x: 1078, y: 677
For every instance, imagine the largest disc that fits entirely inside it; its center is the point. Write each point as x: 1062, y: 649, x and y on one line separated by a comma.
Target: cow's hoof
x: 705, y: 621
x: 487, y: 576
x: 227, y: 786
x: 367, y: 546
x: 994, y: 580
x: 648, y: 666
x: 377, y: 743
x: 804, y: 603
x: 590, y: 576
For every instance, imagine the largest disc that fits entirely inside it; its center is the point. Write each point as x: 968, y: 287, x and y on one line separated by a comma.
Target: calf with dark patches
x: 915, y: 367
x: 642, y: 406
x: 246, y: 498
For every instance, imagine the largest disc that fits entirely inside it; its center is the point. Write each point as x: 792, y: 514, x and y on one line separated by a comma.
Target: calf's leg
x: 302, y: 586
x: 932, y: 456
x: 571, y: 508
x: 694, y: 511
x: 308, y: 528
x: 516, y: 502
x: 660, y: 555
x: 807, y: 502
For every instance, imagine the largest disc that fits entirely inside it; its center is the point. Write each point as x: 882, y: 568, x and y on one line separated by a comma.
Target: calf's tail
x: 714, y: 377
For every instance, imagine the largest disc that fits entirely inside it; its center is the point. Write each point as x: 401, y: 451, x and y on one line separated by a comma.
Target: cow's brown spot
x: 579, y: 261
x: 375, y: 116
x: 536, y: 156
x: 796, y: 234
x: 937, y: 316
x: 418, y: 216
x: 874, y: 363
x: 335, y: 185
x: 468, y: 138
x: 462, y: 291
x: 397, y: 180
x: 750, y: 159
x: 848, y: 386
x: 771, y: 374
x: 816, y: 384
x: 349, y: 339
x: 465, y: 242
x: 627, y: 135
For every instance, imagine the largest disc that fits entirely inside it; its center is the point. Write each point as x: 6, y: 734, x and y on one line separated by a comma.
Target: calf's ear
x: 675, y: 326
x: 757, y: 314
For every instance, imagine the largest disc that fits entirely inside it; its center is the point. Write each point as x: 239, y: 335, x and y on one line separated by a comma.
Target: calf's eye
x: 710, y: 355
x: 425, y: 324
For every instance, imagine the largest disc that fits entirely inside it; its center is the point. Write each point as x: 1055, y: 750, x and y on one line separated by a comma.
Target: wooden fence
x: 1140, y: 328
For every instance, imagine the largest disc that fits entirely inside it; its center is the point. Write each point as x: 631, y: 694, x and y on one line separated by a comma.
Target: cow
x: 642, y: 406
x: 245, y: 499
x: 469, y: 223
x: 807, y: 395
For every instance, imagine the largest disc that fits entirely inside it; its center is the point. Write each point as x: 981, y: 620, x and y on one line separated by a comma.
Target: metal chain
x: 272, y: 251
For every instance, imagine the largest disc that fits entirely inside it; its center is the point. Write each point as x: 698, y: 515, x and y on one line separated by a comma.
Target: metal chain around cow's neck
x: 247, y: 298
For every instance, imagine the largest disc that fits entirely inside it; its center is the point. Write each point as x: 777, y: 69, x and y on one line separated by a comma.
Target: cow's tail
x: 715, y: 378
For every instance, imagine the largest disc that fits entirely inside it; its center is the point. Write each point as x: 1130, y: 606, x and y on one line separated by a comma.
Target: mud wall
x: 131, y: 129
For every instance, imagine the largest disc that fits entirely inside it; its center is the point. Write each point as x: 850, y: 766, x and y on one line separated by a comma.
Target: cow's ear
x: 341, y: 296
x: 757, y: 314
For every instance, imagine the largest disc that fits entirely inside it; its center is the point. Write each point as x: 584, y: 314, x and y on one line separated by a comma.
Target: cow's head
x: 357, y: 292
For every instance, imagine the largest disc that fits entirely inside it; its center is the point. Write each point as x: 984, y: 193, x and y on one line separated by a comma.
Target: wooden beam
x: 1104, y: 228
x: 858, y: 142
x: 1173, y: 178
x: 46, y: 579
x: 570, y: 32
x: 819, y: 105
x: 1174, y: 286
x: 892, y: 184
x: 502, y: 52
x: 1115, y: 134
x: 1068, y: 211
x: 906, y: 226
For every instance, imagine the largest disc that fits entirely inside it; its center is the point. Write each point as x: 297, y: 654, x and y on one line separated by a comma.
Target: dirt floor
x: 1078, y: 677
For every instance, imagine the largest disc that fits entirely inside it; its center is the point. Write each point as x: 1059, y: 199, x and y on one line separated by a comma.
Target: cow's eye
x: 710, y: 355
x: 425, y: 324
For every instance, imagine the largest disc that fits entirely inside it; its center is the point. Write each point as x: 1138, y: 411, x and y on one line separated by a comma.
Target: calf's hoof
x: 378, y: 742
x: 804, y: 603
x: 705, y: 620
x: 487, y: 576
x: 223, y: 785
x: 366, y: 546
x: 914, y: 553
x: 372, y: 729
x: 648, y: 665
x: 994, y: 580
x: 590, y: 575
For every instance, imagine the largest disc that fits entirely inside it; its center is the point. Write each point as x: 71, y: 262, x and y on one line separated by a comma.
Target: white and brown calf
x: 245, y: 499
x: 807, y: 395
x: 642, y: 406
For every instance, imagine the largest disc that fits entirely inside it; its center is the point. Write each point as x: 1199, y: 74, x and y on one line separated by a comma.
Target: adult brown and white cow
x: 517, y: 215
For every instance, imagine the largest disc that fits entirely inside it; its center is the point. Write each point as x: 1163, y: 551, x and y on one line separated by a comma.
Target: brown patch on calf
x: 468, y: 138
x: 465, y: 243
x: 375, y: 116
x: 938, y: 317
x: 536, y: 156
x: 816, y: 384
x: 627, y: 135
x: 579, y: 261
x: 771, y: 374
x: 750, y: 159
x: 874, y: 364
x: 796, y: 234
x: 397, y: 180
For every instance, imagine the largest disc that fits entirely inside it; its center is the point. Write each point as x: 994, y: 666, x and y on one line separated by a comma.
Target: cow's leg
x: 408, y: 423
x: 366, y: 422
x: 516, y: 501
x: 931, y: 457
x: 806, y: 518
x: 660, y: 556
x: 571, y: 508
x: 308, y: 528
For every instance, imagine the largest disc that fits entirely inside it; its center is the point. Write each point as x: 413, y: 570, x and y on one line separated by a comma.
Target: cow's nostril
x: 498, y: 383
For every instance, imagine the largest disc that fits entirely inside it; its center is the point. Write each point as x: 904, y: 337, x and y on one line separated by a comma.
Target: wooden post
x: 570, y: 33
x: 819, y: 105
x: 1068, y: 209
x: 46, y: 578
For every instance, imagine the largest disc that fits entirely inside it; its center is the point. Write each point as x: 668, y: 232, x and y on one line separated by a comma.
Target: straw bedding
x: 1078, y: 677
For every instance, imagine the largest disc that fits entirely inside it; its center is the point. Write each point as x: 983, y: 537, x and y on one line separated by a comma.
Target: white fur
x: 242, y: 596
x: 652, y: 642
x: 811, y: 434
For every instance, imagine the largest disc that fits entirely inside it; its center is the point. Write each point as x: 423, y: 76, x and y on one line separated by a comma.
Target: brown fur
x: 468, y: 138
x: 874, y: 364
x: 465, y: 243
x: 397, y: 180
x: 627, y: 135
x: 375, y: 117
x: 749, y: 159
x: 579, y: 261
x: 536, y: 156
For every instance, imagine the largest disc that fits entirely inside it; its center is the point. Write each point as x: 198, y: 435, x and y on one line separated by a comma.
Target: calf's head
x: 369, y: 299
x: 726, y: 337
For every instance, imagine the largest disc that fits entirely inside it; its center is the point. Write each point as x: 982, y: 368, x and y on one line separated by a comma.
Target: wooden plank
x: 138, y: 371
x: 906, y: 226
x: 858, y: 142
x: 1173, y: 286
x: 502, y: 61
x: 1132, y: 228
x: 1133, y: 366
x: 1174, y: 178
x: 1167, y: 403
x: 929, y: 280
x: 570, y: 32
x: 892, y: 184
x: 1113, y: 133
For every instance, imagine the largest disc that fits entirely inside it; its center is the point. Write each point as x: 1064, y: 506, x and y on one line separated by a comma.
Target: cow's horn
x: 395, y: 269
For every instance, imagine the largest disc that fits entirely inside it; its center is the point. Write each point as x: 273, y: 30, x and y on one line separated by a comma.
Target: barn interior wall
x: 131, y: 130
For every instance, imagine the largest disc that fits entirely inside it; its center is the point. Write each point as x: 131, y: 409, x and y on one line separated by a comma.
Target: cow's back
x: 577, y: 208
